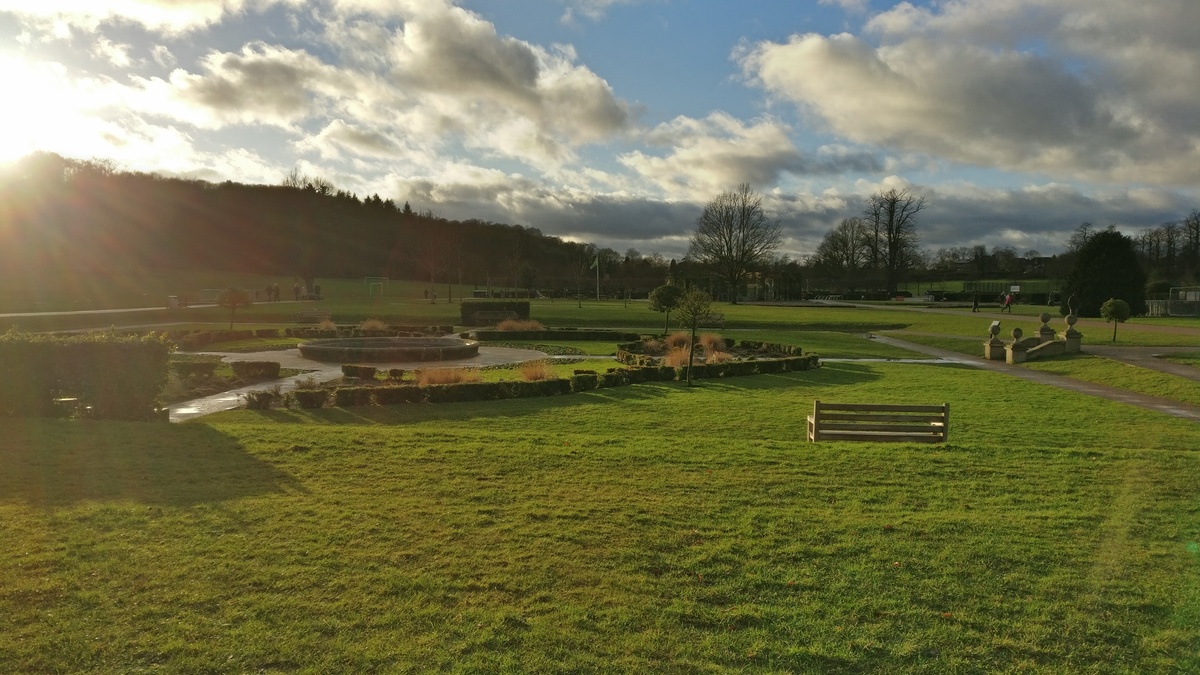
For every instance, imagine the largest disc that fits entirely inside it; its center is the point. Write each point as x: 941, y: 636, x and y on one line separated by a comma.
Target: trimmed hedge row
x: 582, y: 380
x: 255, y: 370
x: 358, y: 372
x: 354, y: 331
x: 111, y: 376
x: 469, y: 308
x: 559, y: 335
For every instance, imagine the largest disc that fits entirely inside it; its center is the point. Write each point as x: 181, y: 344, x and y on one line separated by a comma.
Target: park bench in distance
x: 879, y: 422
x: 313, y: 316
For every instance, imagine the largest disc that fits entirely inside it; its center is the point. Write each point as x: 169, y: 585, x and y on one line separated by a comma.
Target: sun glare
x: 41, y: 110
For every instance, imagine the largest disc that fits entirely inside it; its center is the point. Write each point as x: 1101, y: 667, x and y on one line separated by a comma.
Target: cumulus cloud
x: 263, y: 84
x: 114, y: 53
x: 705, y: 156
x: 162, y: 56
x: 459, y: 57
x: 339, y: 138
x: 1093, y: 96
x: 593, y: 10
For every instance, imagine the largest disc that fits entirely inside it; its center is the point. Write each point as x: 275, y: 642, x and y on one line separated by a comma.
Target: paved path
x: 324, y: 372
x: 1158, y: 404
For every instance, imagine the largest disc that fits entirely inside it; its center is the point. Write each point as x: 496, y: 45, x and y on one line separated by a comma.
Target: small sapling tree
x: 694, y: 309
x: 232, y: 298
x: 1116, y: 311
x: 665, y: 299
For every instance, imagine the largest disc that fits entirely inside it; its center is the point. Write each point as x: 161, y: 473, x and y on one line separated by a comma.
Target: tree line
x: 86, y: 219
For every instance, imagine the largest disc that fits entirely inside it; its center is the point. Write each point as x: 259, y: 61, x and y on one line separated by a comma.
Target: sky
x: 615, y: 121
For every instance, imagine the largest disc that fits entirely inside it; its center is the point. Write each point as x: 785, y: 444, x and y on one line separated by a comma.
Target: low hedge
x: 344, y: 397
x: 555, y: 335
x: 582, y: 380
x: 112, y: 376
x: 400, y: 394
x: 488, y: 308
x: 310, y: 398
x: 358, y: 372
x: 255, y: 370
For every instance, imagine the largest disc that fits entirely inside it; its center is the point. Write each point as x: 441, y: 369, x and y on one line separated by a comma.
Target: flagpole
x: 597, y: 266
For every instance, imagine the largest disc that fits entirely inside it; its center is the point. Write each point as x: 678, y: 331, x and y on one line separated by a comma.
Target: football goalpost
x: 376, y: 286
x: 1184, y: 301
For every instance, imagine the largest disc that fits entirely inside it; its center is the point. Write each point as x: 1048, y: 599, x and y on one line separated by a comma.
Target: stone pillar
x: 1014, y: 351
x: 1073, y: 337
x: 993, y: 348
x: 1045, y: 333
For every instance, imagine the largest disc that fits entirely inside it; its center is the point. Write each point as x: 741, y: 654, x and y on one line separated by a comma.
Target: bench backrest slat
x: 879, y: 422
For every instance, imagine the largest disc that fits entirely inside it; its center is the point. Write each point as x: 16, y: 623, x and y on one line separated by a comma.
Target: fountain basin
x: 389, y: 349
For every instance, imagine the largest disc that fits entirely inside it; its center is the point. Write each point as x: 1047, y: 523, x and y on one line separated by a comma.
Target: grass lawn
x: 651, y: 528
x: 1189, y: 359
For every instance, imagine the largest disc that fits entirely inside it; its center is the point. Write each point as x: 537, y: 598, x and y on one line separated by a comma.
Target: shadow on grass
x: 51, y: 463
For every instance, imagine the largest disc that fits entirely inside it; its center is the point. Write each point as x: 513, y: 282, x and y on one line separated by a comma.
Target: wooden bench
x: 879, y: 422
x: 313, y: 316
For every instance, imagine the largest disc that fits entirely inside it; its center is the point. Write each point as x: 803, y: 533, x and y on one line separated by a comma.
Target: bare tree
x: 734, y: 235
x: 892, y: 223
x: 1080, y: 237
x: 845, y: 247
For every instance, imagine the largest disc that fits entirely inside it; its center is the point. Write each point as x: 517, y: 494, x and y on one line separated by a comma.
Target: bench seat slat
x: 890, y: 428
x: 882, y: 438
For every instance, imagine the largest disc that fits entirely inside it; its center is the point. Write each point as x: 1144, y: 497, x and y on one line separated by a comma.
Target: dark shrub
x: 310, y: 398
x: 400, y: 394
x: 582, y: 381
x: 350, y: 396
x: 358, y: 372
x: 255, y: 370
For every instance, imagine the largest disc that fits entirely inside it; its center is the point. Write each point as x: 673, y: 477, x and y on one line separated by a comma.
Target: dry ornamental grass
x: 373, y: 324
x: 711, y: 342
x: 535, y: 371
x: 678, y: 356
x: 446, y: 376
x: 519, y: 325
x: 677, y: 340
x: 718, y: 357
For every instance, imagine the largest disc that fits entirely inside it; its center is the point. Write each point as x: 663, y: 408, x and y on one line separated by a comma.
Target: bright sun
x: 41, y: 110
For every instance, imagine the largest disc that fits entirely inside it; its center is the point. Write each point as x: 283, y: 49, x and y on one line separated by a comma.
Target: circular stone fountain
x: 389, y: 349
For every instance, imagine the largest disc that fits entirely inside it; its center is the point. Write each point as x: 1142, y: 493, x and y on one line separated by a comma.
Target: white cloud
x: 708, y: 155
x: 116, y: 54
x: 1088, y: 94
x: 593, y: 10
x: 168, y: 16
x: 163, y: 56
x: 263, y: 84
x: 855, y: 6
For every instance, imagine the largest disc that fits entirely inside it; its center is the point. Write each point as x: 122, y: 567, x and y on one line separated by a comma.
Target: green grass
x: 652, y: 528
x: 1187, y: 359
x: 1097, y: 369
